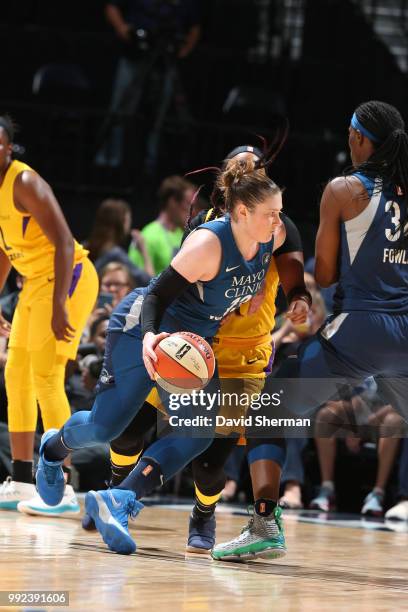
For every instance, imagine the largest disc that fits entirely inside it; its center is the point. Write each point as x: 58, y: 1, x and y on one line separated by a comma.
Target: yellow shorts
x: 244, y: 358
x: 31, y: 326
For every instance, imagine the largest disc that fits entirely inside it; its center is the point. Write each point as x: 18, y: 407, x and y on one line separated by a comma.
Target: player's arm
x: 290, y: 265
x: 198, y: 260
x: 335, y: 195
x: 5, y: 267
x: 34, y: 196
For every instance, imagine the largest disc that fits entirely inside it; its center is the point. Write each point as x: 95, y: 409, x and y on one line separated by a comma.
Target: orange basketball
x: 185, y: 363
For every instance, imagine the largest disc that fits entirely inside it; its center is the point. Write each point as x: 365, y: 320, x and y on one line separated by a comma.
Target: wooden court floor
x: 327, y: 568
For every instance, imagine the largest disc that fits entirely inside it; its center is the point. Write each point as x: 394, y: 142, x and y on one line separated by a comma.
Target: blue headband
x: 357, y: 126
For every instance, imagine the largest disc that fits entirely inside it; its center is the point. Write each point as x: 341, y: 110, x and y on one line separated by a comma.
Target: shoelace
x: 250, y: 510
x: 131, y: 508
x: 5, y: 483
x: 5, y: 488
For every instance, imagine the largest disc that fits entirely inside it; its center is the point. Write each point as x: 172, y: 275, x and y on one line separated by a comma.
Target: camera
x: 165, y: 35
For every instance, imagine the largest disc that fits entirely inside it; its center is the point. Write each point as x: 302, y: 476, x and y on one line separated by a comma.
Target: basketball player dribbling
x: 244, y: 353
x: 191, y: 295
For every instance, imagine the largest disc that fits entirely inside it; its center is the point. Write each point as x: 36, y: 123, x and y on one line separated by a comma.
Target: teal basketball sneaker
x: 262, y: 537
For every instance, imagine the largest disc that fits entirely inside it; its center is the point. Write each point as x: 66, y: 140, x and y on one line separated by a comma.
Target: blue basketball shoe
x: 110, y: 511
x: 49, y: 477
x: 201, y: 534
x: 88, y: 523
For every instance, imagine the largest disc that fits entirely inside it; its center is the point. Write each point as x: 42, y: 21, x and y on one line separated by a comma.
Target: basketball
x: 185, y: 363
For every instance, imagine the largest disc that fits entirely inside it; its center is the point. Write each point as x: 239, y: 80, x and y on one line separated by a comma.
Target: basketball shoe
x: 373, y: 504
x: 50, y: 477
x: 110, y: 511
x: 201, y: 534
x: 325, y: 500
x: 262, y: 537
x: 13, y: 492
x: 88, y: 523
x: 67, y: 507
x: 399, y: 512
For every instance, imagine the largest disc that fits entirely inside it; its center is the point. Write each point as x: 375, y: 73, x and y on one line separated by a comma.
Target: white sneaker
x: 373, y: 505
x: 399, y: 512
x: 68, y: 506
x: 12, y: 492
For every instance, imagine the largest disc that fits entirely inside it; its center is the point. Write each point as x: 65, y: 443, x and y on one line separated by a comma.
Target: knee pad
x: 209, y: 478
x: 208, y: 468
x: 126, y: 445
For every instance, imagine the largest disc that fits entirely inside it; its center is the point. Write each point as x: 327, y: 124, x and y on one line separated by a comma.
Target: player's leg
x: 22, y: 423
x: 111, y: 509
x: 48, y: 364
x: 127, y: 448
x: 387, y: 448
x: 159, y: 463
x: 48, y: 372
x: 263, y: 536
x: 328, y: 422
x: 122, y: 388
x: 293, y: 475
x: 209, y: 481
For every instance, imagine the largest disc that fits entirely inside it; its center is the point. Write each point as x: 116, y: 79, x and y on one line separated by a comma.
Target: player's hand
x: 138, y: 240
x: 150, y: 341
x: 298, y: 312
x: 5, y: 327
x: 60, y: 324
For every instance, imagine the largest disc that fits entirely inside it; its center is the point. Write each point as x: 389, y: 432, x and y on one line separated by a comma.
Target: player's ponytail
x: 259, y: 160
x: 242, y: 181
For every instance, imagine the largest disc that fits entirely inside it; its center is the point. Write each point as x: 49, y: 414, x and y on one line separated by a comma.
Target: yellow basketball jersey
x: 244, y: 325
x: 21, y: 238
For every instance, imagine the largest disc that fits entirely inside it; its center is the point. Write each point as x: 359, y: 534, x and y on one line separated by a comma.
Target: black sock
x: 264, y: 507
x: 55, y: 449
x: 119, y: 473
x: 22, y: 471
x: 68, y: 471
x: 145, y: 477
x: 200, y: 510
